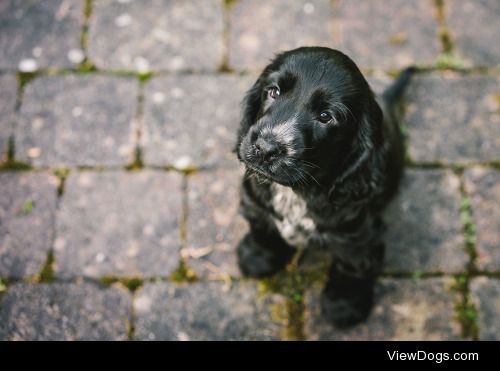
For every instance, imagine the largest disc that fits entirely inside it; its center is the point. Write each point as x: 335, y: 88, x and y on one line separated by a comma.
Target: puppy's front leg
x: 262, y: 252
x: 347, y: 298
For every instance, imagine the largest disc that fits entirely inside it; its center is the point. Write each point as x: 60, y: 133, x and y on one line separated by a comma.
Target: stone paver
x: 8, y: 98
x: 474, y: 30
x: 27, y: 216
x: 453, y: 118
x: 214, y: 225
x: 40, y: 34
x: 157, y: 35
x: 404, y: 310
x: 77, y: 120
x: 486, y: 296
x: 119, y: 224
x: 204, y: 311
x: 64, y: 312
x: 260, y: 29
x: 424, y: 231
x: 389, y: 33
x: 192, y: 120
x: 483, y: 185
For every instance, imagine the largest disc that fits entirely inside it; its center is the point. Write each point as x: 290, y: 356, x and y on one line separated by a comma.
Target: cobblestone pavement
x: 119, y: 192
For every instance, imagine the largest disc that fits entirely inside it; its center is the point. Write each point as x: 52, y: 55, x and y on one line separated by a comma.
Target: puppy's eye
x: 325, y: 117
x: 273, y: 92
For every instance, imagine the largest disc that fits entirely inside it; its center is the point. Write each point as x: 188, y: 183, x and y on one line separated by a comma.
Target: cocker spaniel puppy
x: 322, y: 161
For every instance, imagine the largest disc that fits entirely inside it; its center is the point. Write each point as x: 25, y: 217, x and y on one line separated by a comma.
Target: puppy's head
x: 310, y: 117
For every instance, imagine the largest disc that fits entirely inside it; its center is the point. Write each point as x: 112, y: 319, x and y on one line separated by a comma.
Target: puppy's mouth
x: 266, y: 175
x: 259, y: 172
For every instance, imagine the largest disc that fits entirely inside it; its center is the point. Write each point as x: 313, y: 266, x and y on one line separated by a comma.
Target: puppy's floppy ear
x: 366, y: 157
x: 250, y: 109
x: 370, y: 133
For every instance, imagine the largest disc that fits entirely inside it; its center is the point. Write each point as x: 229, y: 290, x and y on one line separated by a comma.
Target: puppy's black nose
x: 265, y: 150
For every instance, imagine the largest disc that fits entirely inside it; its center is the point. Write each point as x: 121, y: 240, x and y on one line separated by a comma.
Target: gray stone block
x: 119, y: 224
x: 483, y: 185
x: 77, y: 121
x: 8, y: 100
x: 454, y: 118
x: 214, y: 225
x: 424, y: 231
x: 40, y: 34
x: 474, y: 30
x: 389, y: 33
x: 204, y: 311
x: 260, y: 29
x: 486, y: 296
x: 27, y: 215
x: 157, y: 35
x: 64, y: 312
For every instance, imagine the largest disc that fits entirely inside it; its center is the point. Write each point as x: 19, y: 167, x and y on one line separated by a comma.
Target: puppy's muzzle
x: 266, y: 149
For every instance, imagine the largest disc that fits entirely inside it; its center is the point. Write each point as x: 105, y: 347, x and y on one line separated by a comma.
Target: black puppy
x: 322, y: 161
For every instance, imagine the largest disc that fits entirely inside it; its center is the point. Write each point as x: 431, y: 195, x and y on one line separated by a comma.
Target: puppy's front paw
x: 260, y: 261
x: 346, y: 308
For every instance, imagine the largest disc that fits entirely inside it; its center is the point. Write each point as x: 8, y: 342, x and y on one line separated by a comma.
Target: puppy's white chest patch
x: 296, y: 226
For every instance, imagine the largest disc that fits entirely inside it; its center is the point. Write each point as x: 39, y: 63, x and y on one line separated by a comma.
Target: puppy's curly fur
x: 322, y: 162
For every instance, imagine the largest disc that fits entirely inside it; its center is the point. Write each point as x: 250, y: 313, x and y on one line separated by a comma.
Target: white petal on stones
x: 308, y: 8
x: 77, y: 111
x: 100, y: 257
x: 34, y: 152
x: 28, y: 65
x: 76, y: 56
x: 158, y: 97
x: 182, y: 162
x: 59, y: 244
x: 123, y: 20
x: 141, y: 65
x: 142, y: 304
x: 37, y: 123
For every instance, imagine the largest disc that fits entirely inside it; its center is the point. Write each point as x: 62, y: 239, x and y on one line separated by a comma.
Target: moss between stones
x: 292, y: 284
x: 27, y: 207
x: 466, y: 312
x: 131, y: 283
x: 449, y: 61
x: 229, y: 3
x: 86, y: 65
x: 183, y: 274
x: 130, y: 330
x: 3, y: 286
x: 9, y: 163
x: 137, y: 163
x: 469, y: 230
x: 62, y: 175
x: 468, y: 224
x: 23, y: 78
x: 14, y: 166
x: 143, y: 77
x: 46, y: 274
